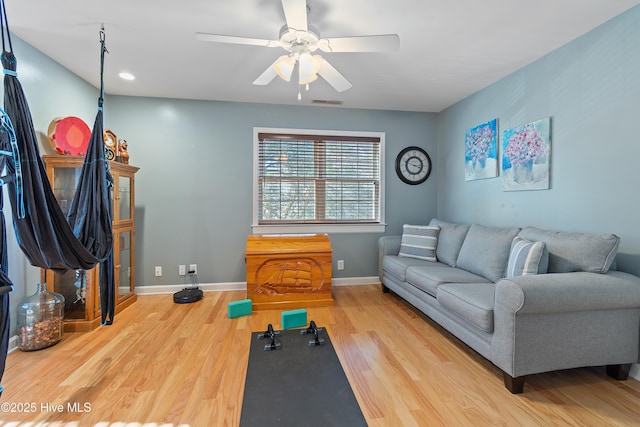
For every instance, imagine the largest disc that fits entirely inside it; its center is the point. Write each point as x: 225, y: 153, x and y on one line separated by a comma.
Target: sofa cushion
x: 570, y: 251
x: 525, y: 258
x: 471, y: 301
x: 449, y: 241
x: 485, y: 251
x: 419, y: 241
x: 428, y: 277
x: 397, y: 266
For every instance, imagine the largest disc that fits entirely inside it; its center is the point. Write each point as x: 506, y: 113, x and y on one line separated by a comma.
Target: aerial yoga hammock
x: 50, y: 240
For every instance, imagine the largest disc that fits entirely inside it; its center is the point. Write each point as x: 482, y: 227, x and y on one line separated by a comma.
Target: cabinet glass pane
x: 73, y: 287
x: 65, y: 181
x: 111, y: 199
x: 124, y: 286
x: 124, y: 187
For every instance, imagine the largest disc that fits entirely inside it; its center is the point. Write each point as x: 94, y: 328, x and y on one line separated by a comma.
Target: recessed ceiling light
x: 126, y: 76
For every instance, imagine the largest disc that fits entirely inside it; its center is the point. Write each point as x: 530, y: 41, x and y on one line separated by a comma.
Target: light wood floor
x: 184, y: 365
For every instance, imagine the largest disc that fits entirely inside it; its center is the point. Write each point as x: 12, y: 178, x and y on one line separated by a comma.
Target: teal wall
x: 194, y: 187
x: 591, y: 90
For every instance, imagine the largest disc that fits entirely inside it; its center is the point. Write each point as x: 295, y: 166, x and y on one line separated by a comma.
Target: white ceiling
x: 449, y: 49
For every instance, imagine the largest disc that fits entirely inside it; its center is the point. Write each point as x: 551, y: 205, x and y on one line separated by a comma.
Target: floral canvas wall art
x: 480, y: 151
x: 526, y: 152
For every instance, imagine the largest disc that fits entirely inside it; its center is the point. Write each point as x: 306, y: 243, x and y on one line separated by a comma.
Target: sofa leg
x: 385, y: 289
x: 514, y: 385
x: 619, y: 372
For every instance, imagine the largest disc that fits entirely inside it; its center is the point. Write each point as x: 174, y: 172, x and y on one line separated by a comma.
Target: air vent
x: 327, y: 102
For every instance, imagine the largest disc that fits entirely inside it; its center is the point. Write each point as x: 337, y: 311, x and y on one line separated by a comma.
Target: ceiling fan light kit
x: 300, y: 39
x: 308, y: 67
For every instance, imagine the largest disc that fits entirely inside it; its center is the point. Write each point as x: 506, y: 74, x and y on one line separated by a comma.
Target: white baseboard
x: 635, y: 371
x: 205, y: 287
x: 356, y: 281
x: 13, y: 344
x: 241, y: 286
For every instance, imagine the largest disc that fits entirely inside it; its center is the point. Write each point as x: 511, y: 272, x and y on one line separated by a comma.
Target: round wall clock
x: 413, y: 165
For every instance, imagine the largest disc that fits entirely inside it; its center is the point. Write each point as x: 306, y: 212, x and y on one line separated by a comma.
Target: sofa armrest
x: 387, y: 245
x: 558, y: 321
x: 565, y: 292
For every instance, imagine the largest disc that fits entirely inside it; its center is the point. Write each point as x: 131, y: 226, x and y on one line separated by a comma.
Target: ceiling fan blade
x: 268, y: 75
x: 379, y: 43
x: 333, y: 77
x: 295, y: 12
x: 218, y: 38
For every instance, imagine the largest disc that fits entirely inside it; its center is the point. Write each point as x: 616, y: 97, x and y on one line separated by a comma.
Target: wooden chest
x: 288, y: 271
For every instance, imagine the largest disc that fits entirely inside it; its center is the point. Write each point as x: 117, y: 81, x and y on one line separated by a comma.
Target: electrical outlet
x: 340, y: 264
x: 182, y: 270
x: 158, y: 271
x: 193, y: 268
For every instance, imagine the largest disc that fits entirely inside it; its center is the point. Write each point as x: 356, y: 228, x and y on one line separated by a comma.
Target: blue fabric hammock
x: 48, y: 238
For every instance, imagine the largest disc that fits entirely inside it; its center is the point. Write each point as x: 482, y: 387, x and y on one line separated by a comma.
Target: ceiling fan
x: 300, y: 41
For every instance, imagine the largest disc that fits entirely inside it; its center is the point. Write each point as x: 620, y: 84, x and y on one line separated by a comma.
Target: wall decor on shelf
x: 526, y: 155
x: 69, y: 135
x: 111, y: 144
x: 480, y: 151
x: 123, y: 154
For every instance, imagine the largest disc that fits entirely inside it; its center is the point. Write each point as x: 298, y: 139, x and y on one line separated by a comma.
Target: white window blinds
x: 318, y: 179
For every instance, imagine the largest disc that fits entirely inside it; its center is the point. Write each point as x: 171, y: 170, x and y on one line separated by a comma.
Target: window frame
x: 298, y: 228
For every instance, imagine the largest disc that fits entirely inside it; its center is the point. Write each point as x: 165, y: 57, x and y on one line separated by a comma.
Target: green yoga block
x: 294, y: 318
x: 239, y: 308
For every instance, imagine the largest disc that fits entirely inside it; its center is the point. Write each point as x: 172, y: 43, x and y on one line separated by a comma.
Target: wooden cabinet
x: 288, y: 271
x: 80, y: 288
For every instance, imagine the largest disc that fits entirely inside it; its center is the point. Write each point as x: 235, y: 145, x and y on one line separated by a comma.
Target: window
x: 318, y: 181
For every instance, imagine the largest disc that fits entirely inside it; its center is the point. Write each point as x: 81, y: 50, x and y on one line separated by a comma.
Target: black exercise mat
x: 297, y: 385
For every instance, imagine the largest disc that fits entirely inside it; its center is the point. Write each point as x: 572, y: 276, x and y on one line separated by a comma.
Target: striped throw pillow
x: 419, y: 241
x: 524, y: 258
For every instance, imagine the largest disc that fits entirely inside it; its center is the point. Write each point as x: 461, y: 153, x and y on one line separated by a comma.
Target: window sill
x: 318, y: 228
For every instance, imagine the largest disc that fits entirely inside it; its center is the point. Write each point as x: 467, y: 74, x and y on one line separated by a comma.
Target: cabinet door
x: 124, y: 262
x: 77, y: 288
x: 124, y: 198
x: 65, y: 181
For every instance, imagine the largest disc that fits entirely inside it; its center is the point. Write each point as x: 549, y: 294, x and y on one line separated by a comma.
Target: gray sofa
x: 568, y: 309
